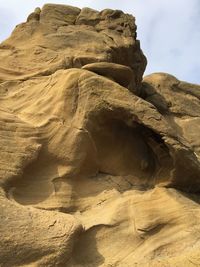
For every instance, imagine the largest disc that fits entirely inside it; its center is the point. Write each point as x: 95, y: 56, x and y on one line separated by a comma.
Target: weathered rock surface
x: 97, y: 167
x: 62, y: 37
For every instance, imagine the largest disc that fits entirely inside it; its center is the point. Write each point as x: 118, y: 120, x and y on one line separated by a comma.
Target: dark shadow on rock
x: 149, y: 94
x: 193, y: 197
x: 86, y: 251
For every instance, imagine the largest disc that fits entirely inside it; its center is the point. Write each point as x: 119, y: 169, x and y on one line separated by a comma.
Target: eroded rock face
x: 97, y: 167
x: 62, y: 37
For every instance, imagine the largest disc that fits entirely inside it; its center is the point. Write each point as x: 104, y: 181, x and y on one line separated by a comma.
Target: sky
x: 169, y: 30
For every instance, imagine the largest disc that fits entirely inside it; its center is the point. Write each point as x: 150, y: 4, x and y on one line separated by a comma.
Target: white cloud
x: 169, y: 30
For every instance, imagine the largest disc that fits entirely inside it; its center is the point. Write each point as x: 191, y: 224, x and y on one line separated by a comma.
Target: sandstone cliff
x: 98, y: 165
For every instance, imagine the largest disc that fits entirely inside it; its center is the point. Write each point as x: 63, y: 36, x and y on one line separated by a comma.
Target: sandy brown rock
x: 179, y: 102
x: 32, y: 237
x: 60, y: 37
x: 116, y: 72
x: 96, y: 167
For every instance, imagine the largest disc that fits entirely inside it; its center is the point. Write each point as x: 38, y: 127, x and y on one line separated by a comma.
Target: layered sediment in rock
x: 63, y: 37
x: 97, y: 166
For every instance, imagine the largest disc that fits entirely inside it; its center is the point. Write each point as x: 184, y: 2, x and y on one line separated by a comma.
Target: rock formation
x: 98, y: 165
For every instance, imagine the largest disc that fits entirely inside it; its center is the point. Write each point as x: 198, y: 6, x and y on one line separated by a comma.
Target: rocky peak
x: 61, y: 37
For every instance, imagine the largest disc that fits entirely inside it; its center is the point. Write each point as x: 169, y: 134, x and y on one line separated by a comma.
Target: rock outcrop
x: 98, y: 166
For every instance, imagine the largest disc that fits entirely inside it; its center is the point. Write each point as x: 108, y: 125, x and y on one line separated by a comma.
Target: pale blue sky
x: 169, y: 30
